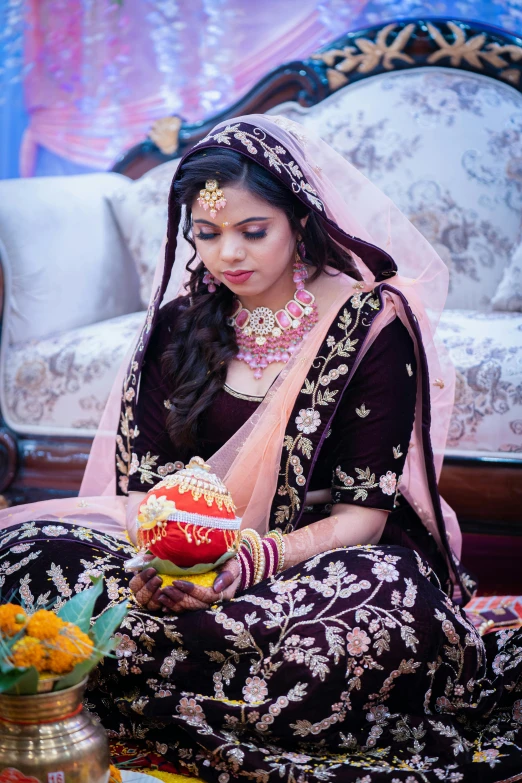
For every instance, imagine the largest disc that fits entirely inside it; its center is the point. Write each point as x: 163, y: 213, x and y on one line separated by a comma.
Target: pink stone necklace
x: 264, y: 337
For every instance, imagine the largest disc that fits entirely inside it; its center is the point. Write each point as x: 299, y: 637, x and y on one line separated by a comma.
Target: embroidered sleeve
x: 372, y: 427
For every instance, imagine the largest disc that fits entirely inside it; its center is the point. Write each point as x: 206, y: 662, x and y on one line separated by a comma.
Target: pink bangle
x: 270, y: 562
x: 271, y: 557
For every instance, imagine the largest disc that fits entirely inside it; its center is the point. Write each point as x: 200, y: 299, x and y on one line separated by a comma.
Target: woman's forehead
x: 241, y: 203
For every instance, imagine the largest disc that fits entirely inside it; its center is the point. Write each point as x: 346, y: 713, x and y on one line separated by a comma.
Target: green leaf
x: 5, y: 652
x: 105, y: 625
x: 79, y: 608
x: 19, y: 681
x: 9, y: 676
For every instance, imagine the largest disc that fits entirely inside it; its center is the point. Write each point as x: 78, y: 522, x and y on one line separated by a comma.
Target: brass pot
x: 51, y: 737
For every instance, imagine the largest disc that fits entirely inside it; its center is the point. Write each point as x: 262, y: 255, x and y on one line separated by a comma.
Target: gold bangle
x: 281, y: 547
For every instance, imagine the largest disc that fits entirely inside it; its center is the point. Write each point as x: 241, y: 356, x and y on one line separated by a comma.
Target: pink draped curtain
x: 100, y: 72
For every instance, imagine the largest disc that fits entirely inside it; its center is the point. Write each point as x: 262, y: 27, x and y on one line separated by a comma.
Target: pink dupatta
x: 358, y: 216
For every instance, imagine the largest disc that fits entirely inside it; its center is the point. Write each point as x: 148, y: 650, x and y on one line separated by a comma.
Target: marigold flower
x: 12, y: 619
x: 28, y: 652
x: 44, y: 624
x: 69, y: 647
x: 83, y: 642
x: 63, y: 656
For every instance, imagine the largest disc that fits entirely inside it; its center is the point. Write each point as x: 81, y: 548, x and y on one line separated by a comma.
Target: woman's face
x: 249, y: 246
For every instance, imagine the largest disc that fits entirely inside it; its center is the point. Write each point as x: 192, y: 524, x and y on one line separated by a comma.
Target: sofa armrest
x: 64, y: 261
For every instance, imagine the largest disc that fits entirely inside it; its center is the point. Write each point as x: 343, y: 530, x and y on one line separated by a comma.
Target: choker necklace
x: 264, y: 337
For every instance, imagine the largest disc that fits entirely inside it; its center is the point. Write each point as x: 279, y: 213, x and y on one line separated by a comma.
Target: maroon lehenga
x: 354, y: 666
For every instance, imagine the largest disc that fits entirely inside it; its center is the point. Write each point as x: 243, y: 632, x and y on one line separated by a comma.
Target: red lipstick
x: 241, y: 276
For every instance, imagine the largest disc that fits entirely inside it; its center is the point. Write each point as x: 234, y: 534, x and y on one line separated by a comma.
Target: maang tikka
x: 212, y: 197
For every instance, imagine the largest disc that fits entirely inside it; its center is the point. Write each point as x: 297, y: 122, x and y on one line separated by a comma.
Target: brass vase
x: 50, y: 737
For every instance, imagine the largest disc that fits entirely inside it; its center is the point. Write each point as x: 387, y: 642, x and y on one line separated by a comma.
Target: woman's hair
x: 195, y: 363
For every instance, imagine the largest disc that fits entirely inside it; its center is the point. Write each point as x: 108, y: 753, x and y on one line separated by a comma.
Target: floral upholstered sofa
x: 446, y: 146
x: 78, y: 255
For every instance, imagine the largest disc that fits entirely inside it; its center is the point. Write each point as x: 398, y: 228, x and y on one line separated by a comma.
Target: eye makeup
x: 247, y: 234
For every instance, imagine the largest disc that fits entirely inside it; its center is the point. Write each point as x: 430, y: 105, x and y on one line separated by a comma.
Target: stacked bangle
x: 278, y: 537
x: 260, y: 558
x: 252, y: 541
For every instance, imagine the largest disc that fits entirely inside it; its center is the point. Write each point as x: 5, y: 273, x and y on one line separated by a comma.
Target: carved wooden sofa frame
x: 44, y: 467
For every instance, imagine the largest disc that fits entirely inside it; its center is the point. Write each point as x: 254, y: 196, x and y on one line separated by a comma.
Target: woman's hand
x: 184, y: 596
x: 146, y: 586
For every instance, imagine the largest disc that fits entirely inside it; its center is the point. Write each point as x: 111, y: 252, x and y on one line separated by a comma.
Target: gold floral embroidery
x: 309, y: 419
x: 363, y: 411
x: 409, y: 370
x: 387, y: 482
x: 127, y: 432
x: 147, y: 468
x: 366, y: 479
x: 255, y: 142
x: 397, y: 453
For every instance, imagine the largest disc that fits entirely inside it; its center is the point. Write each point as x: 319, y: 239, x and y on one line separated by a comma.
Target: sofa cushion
x: 508, y: 295
x: 140, y: 210
x: 445, y: 146
x: 64, y: 260
x: 486, y: 349
x: 59, y: 386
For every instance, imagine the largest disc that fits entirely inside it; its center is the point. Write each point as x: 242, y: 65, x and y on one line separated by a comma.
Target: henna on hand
x: 174, y: 599
x: 351, y: 525
x: 146, y: 587
x: 184, y: 596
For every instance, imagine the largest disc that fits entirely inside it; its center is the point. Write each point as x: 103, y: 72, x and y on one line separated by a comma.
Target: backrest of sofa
x: 446, y: 146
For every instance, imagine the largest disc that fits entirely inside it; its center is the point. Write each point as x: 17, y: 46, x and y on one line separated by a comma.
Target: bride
x: 294, y: 354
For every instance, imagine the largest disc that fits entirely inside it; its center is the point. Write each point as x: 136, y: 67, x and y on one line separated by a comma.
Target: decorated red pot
x: 188, y: 522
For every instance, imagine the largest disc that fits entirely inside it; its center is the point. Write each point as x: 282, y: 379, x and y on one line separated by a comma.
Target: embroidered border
x: 324, y: 386
x: 127, y: 430
x: 278, y: 157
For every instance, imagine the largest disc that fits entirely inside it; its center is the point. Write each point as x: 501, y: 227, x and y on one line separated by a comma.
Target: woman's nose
x: 231, y: 249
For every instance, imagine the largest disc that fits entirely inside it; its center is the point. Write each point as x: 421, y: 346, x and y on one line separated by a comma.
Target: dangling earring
x: 210, y: 281
x: 300, y: 271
